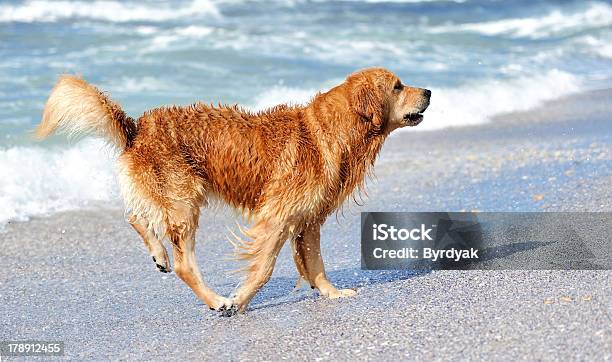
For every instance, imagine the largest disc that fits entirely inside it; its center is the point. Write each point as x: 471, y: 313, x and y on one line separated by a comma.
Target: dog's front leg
x: 309, y: 263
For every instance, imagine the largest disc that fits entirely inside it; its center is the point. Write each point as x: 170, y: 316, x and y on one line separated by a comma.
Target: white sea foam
x: 112, y: 11
x: 164, y: 39
x: 556, y: 22
x: 282, y: 94
x: 38, y: 181
x: 476, y: 103
x: 601, y: 45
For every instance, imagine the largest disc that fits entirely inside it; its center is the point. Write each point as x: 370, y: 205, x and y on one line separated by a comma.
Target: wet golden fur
x: 286, y: 168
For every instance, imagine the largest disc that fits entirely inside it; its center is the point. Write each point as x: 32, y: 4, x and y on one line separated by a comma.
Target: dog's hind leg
x: 268, y: 239
x: 309, y: 262
x: 299, y: 265
x: 182, y: 227
x: 154, y: 245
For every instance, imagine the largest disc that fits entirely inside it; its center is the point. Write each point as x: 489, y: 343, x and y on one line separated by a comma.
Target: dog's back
x: 199, y: 151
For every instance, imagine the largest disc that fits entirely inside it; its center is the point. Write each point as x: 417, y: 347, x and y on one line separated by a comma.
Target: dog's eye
x: 398, y: 86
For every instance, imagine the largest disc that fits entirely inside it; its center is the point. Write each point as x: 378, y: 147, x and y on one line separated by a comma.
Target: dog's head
x: 378, y: 96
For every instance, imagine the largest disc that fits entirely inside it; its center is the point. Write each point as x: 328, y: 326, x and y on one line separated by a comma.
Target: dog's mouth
x: 413, y: 119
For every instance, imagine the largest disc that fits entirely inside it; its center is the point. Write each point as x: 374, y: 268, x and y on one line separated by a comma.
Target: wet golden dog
x: 286, y: 168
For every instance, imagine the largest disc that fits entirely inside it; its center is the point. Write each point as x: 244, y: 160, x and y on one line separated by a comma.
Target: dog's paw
x: 221, y: 304
x: 164, y: 268
x: 229, y: 311
x: 341, y: 293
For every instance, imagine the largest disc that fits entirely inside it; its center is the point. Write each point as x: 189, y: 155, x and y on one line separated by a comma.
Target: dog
x: 286, y: 169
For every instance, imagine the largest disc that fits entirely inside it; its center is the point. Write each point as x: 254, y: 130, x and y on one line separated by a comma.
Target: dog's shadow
x: 281, y: 290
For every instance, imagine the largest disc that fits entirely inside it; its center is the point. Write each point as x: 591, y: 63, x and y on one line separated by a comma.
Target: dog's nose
x: 427, y: 93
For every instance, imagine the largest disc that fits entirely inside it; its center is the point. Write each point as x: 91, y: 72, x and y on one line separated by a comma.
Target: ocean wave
x: 300, y: 45
x: 282, y: 95
x: 472, y: 104
x: 601, y: 46
x: 112, y: 11
x: 163, y: 40
x: 39, y: 181
x: 554, y: 23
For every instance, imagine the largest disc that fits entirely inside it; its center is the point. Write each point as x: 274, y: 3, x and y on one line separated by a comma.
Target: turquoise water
x: 480, y: 58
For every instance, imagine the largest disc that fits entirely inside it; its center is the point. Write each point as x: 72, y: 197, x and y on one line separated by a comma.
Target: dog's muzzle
x: 414, y: 118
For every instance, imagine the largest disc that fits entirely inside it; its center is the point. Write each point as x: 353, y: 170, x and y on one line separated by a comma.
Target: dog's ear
x: 367, y: 102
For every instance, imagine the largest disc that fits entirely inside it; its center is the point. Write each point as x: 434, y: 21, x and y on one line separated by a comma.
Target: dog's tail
x: 76, y: 107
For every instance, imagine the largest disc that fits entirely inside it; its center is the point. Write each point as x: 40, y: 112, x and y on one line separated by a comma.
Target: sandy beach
x: 84, y: 277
